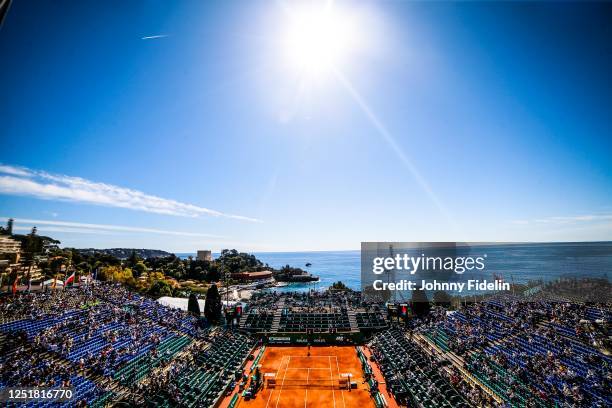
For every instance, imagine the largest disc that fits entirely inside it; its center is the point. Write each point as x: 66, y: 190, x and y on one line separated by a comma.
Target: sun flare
x: 318, y: 39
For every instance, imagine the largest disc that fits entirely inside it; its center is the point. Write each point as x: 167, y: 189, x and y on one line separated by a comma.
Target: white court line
x: 331, y: 375
x: 306, y: 368
x: 275, y: 376
x: 341, y: 391
x: 306, y: 395
x: 283, y: 383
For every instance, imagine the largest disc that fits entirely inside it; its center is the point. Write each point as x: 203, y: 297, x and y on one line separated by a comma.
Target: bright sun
x: 318, y: 39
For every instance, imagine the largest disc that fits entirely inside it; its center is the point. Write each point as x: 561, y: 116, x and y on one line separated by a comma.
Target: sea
x: 328, y: 266
x: 515, y: 262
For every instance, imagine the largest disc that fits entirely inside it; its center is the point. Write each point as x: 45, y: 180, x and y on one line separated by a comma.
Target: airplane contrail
x: 152, y: 37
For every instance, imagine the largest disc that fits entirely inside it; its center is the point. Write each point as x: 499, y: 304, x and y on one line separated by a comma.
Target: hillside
x: 124, y: 253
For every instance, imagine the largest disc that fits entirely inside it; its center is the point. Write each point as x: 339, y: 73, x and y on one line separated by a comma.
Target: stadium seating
x: 22, y: 367
x: 107, y: 343
x: 533, y: 354
x: 115, y: 345
x: 370, y: 320
x: 206, y: 380
x: 135, y: 370
x: 409, y: 376
x: 257, y: 321
x: 317, y: 322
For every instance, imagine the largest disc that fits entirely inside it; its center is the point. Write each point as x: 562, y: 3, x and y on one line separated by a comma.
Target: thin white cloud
x: 578, y: 218
x: 46, y: 229
x: 26, y: 182
x: 561, y: 220
x: 69, y: 226
x: 15, y: 171
x: 154, y: 37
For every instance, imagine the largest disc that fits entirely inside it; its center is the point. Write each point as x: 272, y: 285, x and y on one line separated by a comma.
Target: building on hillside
x: 204, y: 255
x: 32, y: 270
x: 252, y: 276
x: 10, y: 249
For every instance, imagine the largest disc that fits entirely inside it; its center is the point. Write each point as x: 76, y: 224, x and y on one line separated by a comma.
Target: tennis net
x: 307, y: 383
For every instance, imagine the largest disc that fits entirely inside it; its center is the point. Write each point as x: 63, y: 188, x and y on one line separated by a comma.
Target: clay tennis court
x: 310, y: 381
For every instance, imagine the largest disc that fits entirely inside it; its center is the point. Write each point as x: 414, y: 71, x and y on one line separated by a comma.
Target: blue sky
x: 447, y: 121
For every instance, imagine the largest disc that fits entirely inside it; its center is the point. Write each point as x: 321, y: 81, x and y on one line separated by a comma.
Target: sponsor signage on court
x: 279, y: 339
x: 321, y: 339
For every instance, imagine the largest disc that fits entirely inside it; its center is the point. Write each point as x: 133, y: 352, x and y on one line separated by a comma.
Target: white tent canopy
x: 178, y: 303
x: 181, y: 303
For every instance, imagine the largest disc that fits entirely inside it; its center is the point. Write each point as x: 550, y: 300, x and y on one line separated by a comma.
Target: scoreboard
x: 399, y: 311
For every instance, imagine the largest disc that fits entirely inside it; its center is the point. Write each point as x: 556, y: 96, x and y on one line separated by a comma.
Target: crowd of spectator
x: 106, y: 342
x: 531, y: 353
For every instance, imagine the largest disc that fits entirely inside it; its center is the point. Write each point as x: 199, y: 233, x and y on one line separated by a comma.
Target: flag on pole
x: 69, y: 280
x: 65, y: 270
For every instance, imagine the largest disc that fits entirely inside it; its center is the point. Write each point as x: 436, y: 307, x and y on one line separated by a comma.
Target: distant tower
x: 204, y: 255
x: 9, y: 226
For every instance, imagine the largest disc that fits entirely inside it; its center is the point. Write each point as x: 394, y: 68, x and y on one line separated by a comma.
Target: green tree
x: 56, y: 264
x: 9, y: 228
x: 233, y: 261
x: 139, y: 269
x: 198, y: 273
x: 96, y: 266
x: 160, y: 288
x: 33, y: 244
x: 212, y: 305
x: 133, y: 259
x: 213, y: 274
x: 193, y: 306
x: 104, y: 275
x: 84, y: 267
x: 339, y: 286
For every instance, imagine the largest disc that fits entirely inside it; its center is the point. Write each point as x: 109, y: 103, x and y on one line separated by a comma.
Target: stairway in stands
x: 277, y: 316
x: 427, y: 344
x: 243, y: 320
x: 352, y: 317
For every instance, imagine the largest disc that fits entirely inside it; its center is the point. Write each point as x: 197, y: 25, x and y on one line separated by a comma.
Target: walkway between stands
x: 227, y: 400
x: 382, y: 386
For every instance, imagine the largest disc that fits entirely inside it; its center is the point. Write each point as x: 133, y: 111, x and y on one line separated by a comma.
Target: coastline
x: 516, y: 263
